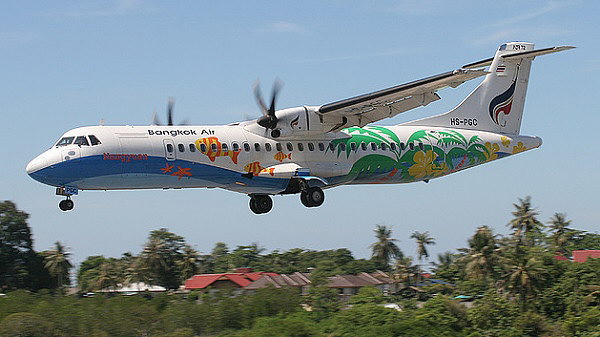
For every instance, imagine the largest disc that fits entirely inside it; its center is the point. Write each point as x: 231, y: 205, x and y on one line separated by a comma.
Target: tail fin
x: 496, y: 105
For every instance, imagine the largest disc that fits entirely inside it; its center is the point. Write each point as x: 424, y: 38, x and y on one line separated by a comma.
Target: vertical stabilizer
x: 496, y: 105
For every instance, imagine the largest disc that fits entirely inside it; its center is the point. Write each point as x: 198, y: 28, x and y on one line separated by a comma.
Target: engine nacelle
x: 296, y: 122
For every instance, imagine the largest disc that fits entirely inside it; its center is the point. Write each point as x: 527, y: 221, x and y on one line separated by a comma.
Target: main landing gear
x: 260, y: 203
x: 312, y: 197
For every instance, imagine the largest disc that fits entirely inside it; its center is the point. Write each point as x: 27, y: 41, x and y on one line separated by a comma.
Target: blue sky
x: 66, y: 64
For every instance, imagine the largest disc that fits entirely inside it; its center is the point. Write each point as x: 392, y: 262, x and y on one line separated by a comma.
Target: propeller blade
x: 276, y: 87
x: 258, y: 98
x: 155, y: 120
x: 170, y: 111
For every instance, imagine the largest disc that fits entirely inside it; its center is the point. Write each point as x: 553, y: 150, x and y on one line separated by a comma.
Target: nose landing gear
x: 260, y: 203
x: 67, y: 204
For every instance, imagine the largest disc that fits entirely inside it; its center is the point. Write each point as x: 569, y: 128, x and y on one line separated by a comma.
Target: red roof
x: 240, y: 279
x: 582, y: 255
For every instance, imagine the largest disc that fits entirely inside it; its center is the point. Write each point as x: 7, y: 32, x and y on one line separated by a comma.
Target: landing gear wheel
x: 260, y: 203
x: 312, y: 197
x: 66, y: 205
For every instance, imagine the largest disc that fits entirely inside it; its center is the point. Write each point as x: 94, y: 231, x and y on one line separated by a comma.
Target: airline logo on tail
x: 502, y: 103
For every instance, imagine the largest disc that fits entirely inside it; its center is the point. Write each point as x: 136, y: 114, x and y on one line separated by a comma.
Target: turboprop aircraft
x: 306, y: 149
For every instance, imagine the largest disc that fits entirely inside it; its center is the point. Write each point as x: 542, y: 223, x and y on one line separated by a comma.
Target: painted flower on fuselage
x: 492, y: 151
x: 424, y: 165
x: 519, y: 148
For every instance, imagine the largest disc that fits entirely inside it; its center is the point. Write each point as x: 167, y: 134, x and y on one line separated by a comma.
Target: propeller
x: 268, y: 120
x: 156, y: 120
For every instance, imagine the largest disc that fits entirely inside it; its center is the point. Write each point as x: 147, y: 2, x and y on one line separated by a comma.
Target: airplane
x: 304, y: 150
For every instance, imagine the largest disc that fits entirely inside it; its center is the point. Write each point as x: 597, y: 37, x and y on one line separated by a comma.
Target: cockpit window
x: 81, y: 141
x: 65, y: 141
x: 94, y: 140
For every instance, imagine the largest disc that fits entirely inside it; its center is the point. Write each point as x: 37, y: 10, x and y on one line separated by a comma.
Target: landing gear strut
x: 312, y: 197
x: 260, y: 203
x: 66, y: 205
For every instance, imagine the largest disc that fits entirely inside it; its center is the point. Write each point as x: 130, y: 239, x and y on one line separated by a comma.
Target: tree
x: 57, y: 262
x: 525, y: 225
x: 385, y: 249
x: 523, y: 277
x: 483, y: 255
x: 25, y: 324
x: 20, y: 265
x: 422, y: 239
x: 188, y: 265
x: 561, y: 234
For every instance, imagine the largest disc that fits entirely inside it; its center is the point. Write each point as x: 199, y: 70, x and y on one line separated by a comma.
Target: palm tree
x: 56, y: 261
x: 561, y: 233
x: 483, y: 254
x: 108, y: 276
x: 385, y: 248
x: 525, y: 224
x: 423, y: 239
x: 523, y: 278
x: 188, y: 265
x: 405, y: 271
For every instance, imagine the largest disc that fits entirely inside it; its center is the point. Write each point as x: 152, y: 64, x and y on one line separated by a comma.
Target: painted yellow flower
x: 423, y: 164
x: 505, y: 141
x: 492, y: 151
x: 519, y: 148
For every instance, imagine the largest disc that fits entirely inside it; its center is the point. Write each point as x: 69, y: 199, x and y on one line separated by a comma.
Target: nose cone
x: 36, y: 164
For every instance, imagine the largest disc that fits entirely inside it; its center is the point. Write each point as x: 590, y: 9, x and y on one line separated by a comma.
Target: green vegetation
x: 509, y: 285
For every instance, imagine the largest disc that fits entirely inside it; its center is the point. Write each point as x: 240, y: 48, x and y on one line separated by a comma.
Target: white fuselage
x: 234, y: 158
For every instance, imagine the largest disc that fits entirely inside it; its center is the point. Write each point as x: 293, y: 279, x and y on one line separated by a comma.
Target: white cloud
x: 118, y: 7
x: 8, y: 39
x: 382, y: 53
x: 284, y: 27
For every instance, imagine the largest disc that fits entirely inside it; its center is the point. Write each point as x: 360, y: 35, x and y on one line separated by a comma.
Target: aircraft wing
x: 364, y: 109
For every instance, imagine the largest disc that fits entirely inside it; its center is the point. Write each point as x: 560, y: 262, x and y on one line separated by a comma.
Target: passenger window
x: 353, y: 146
x: 169, y: 148
x: 181, y: 147
x: 384, y: 146
x: 213, y: 147
x: 192, y: 148
x: 203, y: 148
x: 393, y: 146
x: 321, y: 147
x: 363, y: 146
x: 81, y: 141
x: 311, y: 147
x: 246, y: 147
x: 256, y: 147
x: 373, y: 146
x: 300, y: 147
x: 290, y: 146
x: 225, y: 147
x: 268, y: 147
x: 421, y: 146
x: 331, y: 147
x: 94, y: 140
x: 278, y: 147
x: 411, y: 146
x: 402, y: 146
x: 235, y: 147
x: 343, y: 147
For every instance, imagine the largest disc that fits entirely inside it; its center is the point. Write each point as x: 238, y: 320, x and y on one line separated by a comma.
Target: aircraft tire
x: 304, y: 199
x: 66, y: 205
x: 261, y: 204
x: 312, y: 197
